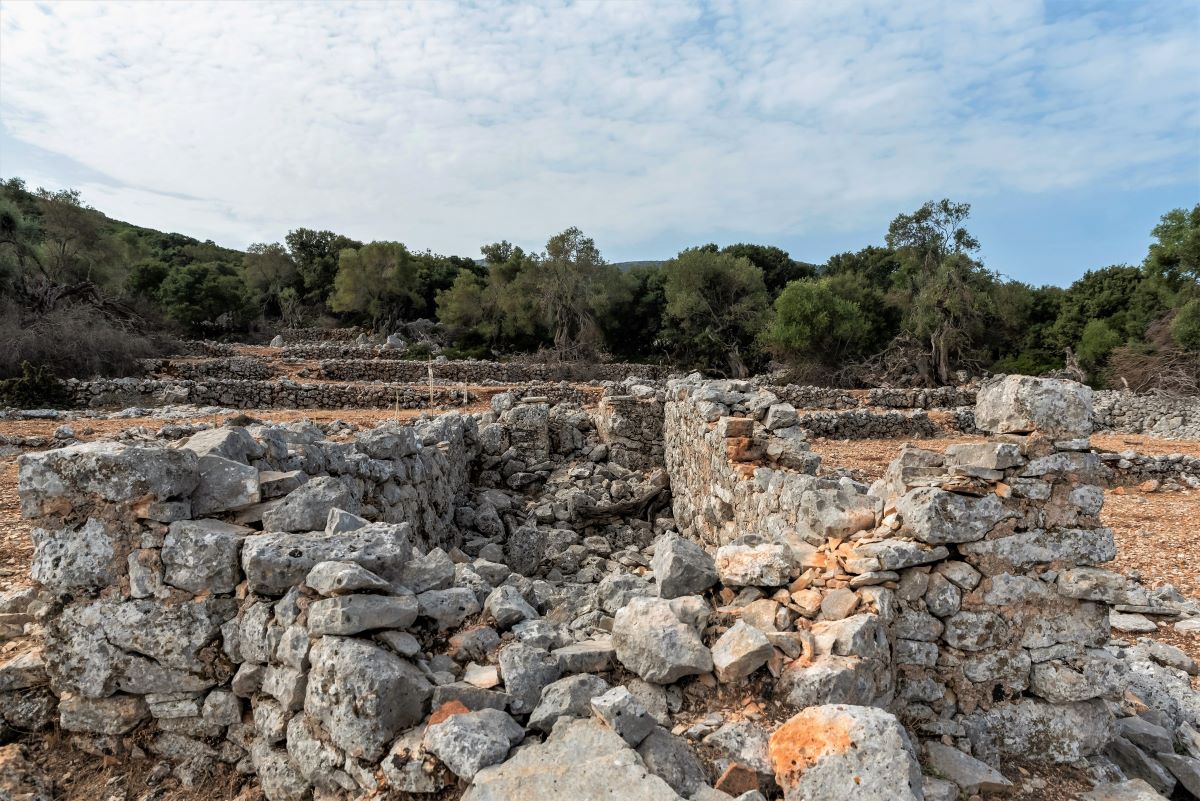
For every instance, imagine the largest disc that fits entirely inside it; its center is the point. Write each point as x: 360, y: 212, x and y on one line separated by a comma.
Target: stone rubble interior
x: 537, y: 602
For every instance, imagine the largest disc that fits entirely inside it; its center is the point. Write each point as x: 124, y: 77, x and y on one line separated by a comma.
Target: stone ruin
x: 666, y: 598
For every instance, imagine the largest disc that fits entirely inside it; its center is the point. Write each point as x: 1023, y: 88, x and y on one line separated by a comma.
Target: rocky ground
x: 1152, y: 529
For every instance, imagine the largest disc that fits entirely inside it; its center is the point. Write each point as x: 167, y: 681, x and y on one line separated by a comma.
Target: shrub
x: 36, y: 386
x: 1185, y: 328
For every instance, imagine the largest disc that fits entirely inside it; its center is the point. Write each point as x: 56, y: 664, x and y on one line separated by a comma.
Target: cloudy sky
x: 1069, y: 126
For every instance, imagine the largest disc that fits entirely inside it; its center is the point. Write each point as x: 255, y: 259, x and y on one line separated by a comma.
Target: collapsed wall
x: 297, y: 607
x: 165, y: 588
x: 982, y: 564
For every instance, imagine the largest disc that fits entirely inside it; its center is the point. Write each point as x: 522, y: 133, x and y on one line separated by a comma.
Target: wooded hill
x: 87, y: 294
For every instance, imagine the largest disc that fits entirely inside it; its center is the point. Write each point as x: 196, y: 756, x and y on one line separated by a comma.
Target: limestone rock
x: 202, y: 555
x: 112, y: 471
x: 307, y: 507
x: 740, y: 651
x: 624, y: 714
x: 351, y: 614
x: 570, y: 697
x: 507, y: 607
x: 363, y: 694
x: 580, y: 761
x: 971, y: 775
x: 275, y: 562
x: 467, y: 743
x: 526, y: 671
x: 340, y: 578
x: 681, y: 567
x: 655, y: 641
x: 768, y: 565
x: 938, y: 517
x: 225, y: 485
x: 842, y: 753
x: 1017, y: 404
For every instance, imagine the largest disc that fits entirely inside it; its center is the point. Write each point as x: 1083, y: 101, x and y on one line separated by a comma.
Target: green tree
x: 1185, y: 328
x: 377, y: 281
x: 268, y: 271
x: 941, y: 287
x: 1175, y: 256
x: 74, y: 247
x: 205, y: 297
x: 778, y: 267
x: 316, y: 254
x: 814, y: 324
x: 571, y: 289
x: 1096, y: 343
x: 715, y: 306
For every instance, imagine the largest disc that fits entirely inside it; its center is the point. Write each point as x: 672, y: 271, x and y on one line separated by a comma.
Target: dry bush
x: 72, y: 342
x: 1159, y: 365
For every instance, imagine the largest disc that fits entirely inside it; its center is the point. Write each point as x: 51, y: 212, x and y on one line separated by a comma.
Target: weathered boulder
x: 842, y: 753
x: 1017, y: 404
x: 202, y: 555
x: 363, y: 694
x: 681, y: 567
x: 116, y: 472
x: 660, y: 639
x: 275, y: 562
x: 307, y: 507
x: 468, y: 742
x: 581, y: 760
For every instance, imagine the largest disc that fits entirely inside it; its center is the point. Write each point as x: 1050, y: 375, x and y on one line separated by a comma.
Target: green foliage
x: 1119, y: 295
x: 1175, y: 257
x: 36, y: 386
x: 377, y: 281
x: 269, y: 270
x: 715, y: 306
x: 814, y: 322
x: 1096, y: 343
x: 1185, y: 328
x: 778, y: 268
x: 205, y: 297
x: 316, y: 255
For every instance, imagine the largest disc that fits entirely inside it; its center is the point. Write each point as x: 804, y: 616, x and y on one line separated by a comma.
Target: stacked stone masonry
x: 256, y: 394
x: 399, y: 611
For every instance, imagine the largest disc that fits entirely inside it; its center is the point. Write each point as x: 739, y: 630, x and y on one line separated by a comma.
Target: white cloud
x: 447, y: 126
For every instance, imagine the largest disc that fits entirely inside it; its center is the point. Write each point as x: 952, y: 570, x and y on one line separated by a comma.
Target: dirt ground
x: 1153, y: 533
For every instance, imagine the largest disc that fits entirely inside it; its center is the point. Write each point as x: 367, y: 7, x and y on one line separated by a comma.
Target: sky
x: 1070, y: 127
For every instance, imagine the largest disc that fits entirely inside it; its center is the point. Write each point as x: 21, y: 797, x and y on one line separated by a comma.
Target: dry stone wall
x: 969, y: 597
x: 253, y: 394
x: 396, y: 613
x: 629, y: 420
x: 475, y: 372
x: 1171, y: 416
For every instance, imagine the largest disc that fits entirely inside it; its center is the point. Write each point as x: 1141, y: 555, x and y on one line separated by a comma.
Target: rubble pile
x: 665, y: 599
